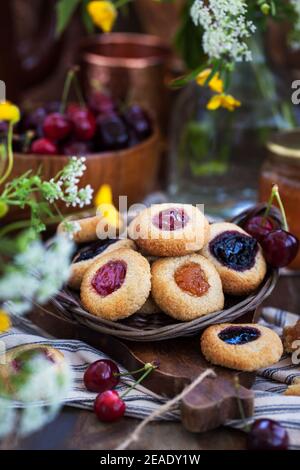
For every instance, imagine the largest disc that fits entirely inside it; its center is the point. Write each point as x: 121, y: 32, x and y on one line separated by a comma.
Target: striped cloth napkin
x: 269, y: 385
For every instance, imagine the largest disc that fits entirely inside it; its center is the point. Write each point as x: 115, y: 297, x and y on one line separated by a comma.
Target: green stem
x: 10, y: 154
x: 66, y: 90
x: 281, y: 207
x: 78, y: 91
x: 14, y: 226
x: 145, y: 374
x: 124, y: 374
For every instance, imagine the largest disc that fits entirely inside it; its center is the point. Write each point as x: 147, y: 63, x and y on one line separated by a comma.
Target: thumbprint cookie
x: 237, y: 257
x: 88, y: 254
x: 241, y: 346
x: 169, y: 230
x: 116, y: 285
x: 186, y: 287
x: 87, y: 229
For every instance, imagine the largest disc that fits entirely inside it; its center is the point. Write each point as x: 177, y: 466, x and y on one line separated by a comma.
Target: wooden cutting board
x: 207, y: 406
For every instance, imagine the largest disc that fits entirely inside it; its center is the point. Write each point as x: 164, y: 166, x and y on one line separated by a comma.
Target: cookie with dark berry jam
x: 244, y: 346
x: 237, y: 257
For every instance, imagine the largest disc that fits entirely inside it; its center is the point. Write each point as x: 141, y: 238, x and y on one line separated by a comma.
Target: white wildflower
x: 36, y: 274
x: 226, y: 28
x: 65, y: 187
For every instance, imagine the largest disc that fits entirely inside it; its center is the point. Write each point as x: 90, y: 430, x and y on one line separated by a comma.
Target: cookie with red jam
x: 246, y: 346
x: 86, y: 255
x: 186, y: 287
x: 169, y: 230
x: 237, y: 257
x: 116, y: 285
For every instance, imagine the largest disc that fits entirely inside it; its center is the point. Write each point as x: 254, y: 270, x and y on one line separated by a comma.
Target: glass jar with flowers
x: 230, y: 104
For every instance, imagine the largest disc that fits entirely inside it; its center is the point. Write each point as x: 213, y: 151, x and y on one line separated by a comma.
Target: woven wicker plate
x: 157, y: 327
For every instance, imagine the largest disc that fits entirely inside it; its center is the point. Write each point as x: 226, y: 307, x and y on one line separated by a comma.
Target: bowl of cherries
x: 121, y: 143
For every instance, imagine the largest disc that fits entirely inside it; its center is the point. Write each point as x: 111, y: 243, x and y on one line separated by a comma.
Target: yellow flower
x: 4, y: 321
x: 9, y: 112
x: 103, y: 201
x: 223, y: 101
x: 215, y: 83
x: 103, y: 14
x: 103, y: 195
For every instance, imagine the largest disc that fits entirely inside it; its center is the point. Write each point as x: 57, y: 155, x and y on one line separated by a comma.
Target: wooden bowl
x: 130, y: 172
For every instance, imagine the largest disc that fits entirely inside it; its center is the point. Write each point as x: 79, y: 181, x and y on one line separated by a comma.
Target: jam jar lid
x: 285, y: 144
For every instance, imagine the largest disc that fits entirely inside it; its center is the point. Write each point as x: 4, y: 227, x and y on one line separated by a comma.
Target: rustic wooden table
x: 79, y: 429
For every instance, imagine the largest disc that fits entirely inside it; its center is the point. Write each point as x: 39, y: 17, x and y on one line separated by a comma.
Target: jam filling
x: 93, y: 249
x: 234, y: 250
x: 239, y: 334
x: 171, y: 219
x: 191, y: 278
x: 109, y: 277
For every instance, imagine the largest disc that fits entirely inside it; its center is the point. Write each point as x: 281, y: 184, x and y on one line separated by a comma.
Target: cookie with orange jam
x: 237, y: 257
x: 169, y: 230
x: 186, y: 287
x: 116, y: 285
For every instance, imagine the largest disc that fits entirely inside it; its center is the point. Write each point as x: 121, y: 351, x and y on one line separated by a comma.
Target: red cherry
x: 266, y: 434
x: 57, y: 126
x: 259, y: 226
x: 280, y: 248
x: 43, y: 146
x: 109, y: 407
x: 84, y: 123
x: 100, y: 376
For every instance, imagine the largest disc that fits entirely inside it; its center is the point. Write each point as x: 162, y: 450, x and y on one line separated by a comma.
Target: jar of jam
x: 282, y: 167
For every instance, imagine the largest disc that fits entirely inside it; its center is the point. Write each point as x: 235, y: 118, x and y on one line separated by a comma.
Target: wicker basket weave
x: 157, y: 327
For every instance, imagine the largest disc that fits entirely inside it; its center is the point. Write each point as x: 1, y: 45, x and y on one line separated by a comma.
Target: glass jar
x: 282, y: 167
x: 216, y: 156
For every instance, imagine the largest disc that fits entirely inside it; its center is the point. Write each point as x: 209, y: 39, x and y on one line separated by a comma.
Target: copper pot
x: 132, y: 67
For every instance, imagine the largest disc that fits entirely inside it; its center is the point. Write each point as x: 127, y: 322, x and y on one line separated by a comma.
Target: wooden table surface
x: 79, y: 429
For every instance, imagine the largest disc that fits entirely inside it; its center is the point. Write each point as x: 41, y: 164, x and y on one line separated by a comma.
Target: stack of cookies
x: 173, y: 261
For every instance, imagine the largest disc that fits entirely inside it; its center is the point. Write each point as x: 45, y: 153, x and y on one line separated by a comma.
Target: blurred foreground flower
x: 35, y: 275
x: 9, y: 112
x: 103, y: 14
x: 34, y: 383
x: 215, y: 83
x: 223, y: 101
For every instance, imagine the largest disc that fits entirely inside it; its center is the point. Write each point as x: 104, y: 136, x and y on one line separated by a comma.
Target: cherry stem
x: 71, y: 77
x: 148, y: 368
x: 121, y: 374
x: 281, y: 207
x: 240, y: 405
x: 275, y: 194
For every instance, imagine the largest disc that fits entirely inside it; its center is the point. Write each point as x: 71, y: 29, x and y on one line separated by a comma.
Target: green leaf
x: 87, y: 20
x: 181, y: 81
x: 64, y: 12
